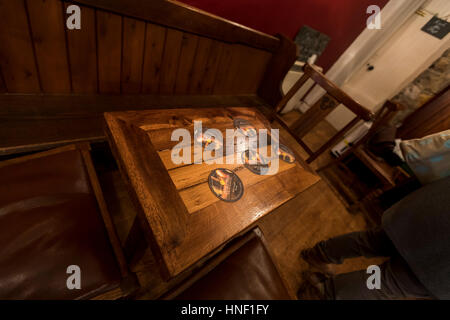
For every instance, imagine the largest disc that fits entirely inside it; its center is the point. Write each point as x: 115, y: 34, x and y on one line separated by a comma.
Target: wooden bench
x: 56, y: 83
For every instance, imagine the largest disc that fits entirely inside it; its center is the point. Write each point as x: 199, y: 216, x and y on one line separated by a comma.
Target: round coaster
x: 261, y: 163
x: 226, y: 185
x: 286, y: 154
x: 245, y: 127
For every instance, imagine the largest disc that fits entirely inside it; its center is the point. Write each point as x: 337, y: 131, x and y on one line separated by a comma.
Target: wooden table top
x: 186, y: 221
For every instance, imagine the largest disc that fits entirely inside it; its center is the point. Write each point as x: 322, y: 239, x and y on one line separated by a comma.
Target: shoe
x: 309, y: 291
x: 311, y: 257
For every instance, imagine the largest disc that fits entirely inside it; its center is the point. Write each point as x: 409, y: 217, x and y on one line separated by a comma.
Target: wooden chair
x: 386, y: 174
x: 382, y: 117
x: 334, y: 96
x: 52, y: 216
x: 380, y: 168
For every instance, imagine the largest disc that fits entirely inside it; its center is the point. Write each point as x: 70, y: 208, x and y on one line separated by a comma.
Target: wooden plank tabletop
x: 186, y: 221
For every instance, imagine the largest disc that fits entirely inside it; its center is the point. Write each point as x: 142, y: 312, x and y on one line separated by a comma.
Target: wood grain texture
x: 109, y: 43
x: 195, y: 191
x: 281, y: 61
x: 334, y: 91
x: 112, y: 233
x: 204, y: 223
x: 32, y: 122
x: 132, y: 55
x: 82, y: 46
x: 199, y: 67
x: 433, y: 117
x: 16, y: 49
x: 48, y: 32
x: 228, y: 66
x: 154, y: 49
x: 312, y: 216
x: 171, y: 58
x: 186, y: 60
x: 114, y: 53
x: 2, y: 83
x: 180, y: 16
x: 206, y: 85
x: 314, y: 115
x: 154, y: 188
x: 252, y: 66
x: 317, y: 113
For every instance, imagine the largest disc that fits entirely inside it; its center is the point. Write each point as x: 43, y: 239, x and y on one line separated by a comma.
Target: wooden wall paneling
x: 16, y: 50
x: 280, y: 63
x: 109, y: 48
x: 242, y: 77
x: 199, y: 65
x: 2, y: 82
x: 83, y: 53
x: 186, y: 61
x: 212, y: 66
x: 183, y: 17
x: 255, y: 68
x: 228, y: 64
x: 132, y: 55
x: 48, y: 33
x: 170, y: 61
x: 251, y: 67
x: 154, y: 49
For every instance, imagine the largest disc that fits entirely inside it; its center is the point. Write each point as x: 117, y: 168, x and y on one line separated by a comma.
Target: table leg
x: 135, y: 244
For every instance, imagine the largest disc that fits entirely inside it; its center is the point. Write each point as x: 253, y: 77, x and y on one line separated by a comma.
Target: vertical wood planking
x: 186, y: 61
x: 228, y: 68
x: 250, y: 69
x: 2, y: 83
x: 48, y: 33
x: 260, y: 61
x: 83, y: 53
x: 171, y: 57
x: 113, y: 54
x: 212, y: 66
x: 109, y: 46
x: 16, y: 49
x: 154, y: 48
x: 132, y: 55
x: 199, y: 65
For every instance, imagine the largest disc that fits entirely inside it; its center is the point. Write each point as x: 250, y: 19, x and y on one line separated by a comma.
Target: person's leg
x: 370, y: 243
x: 396, y: 278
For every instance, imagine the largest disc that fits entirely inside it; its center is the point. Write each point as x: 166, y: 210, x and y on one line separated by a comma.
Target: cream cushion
x: 429, y: 157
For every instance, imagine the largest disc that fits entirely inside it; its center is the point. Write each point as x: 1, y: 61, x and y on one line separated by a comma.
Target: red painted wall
x: 342, y: 20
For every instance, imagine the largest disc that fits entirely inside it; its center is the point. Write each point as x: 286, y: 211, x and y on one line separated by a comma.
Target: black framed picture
x: 437, y: 27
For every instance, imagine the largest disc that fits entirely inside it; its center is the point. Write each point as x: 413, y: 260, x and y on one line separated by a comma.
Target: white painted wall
x: 407, y: 53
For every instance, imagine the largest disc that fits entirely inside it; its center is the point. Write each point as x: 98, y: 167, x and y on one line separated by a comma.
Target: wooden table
x: 181, y: 217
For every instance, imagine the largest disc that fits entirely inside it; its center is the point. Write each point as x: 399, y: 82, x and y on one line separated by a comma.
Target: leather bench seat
x: 49, y: 220
x: 247, y: 274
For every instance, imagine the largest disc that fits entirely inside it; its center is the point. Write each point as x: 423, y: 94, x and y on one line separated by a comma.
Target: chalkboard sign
x: 311, y: 42
x: 437, y: 27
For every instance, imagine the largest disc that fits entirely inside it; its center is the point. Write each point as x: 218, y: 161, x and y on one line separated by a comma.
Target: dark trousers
x: 397, y: 279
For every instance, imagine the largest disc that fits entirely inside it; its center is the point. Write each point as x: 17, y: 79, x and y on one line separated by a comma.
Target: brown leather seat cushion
x: 49, y: 219
x: 247, y: 274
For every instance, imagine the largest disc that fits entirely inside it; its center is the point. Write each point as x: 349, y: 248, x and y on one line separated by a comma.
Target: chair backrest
x: 54, y: 215
x: 333, y: 97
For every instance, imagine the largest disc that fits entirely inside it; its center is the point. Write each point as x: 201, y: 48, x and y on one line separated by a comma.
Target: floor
x: 314, y: 215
